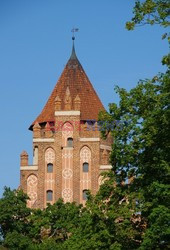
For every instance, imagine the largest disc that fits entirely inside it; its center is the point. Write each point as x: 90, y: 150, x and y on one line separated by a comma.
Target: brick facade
x: 63, y: 138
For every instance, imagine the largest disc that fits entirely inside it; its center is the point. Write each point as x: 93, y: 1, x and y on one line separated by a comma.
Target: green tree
x: 62, y: 219
x: 150, y: 12
x: 24, y: 228
x: 13, y: 212
x: 140, y: 153
x: 14, y: 223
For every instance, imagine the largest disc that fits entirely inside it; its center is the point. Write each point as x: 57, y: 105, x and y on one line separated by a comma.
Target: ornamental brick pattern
x: 63, y: 138
x: 85, y: 177
x: 49, y: 177
x: 67, y: 163
x: 32, y: 182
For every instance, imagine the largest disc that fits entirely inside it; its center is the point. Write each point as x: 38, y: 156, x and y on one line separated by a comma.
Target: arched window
x: 49, y: 168
x: 69, y: 142
x: 85, y: 194
x: 49, y: 195
x: 85, y: 167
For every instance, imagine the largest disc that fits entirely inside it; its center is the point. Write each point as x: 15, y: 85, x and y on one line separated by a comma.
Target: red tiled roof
x: 74, y: 77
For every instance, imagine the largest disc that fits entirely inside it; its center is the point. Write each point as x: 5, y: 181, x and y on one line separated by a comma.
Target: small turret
x: 57, y: 103
x: 36, y: 130
x: 104, y: 157
x: 24, y: 159
x: 47, y: 130
x: 77, y: 103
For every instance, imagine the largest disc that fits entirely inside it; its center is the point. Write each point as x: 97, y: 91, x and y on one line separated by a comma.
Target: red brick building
x: 69, y: 153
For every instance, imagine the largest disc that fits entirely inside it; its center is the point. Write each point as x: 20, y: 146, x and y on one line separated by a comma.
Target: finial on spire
x: 73, y: 31
x: 73, y: 54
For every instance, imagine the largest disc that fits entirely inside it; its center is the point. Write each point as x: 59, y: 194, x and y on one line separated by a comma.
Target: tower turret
x: 67, y: 146
x: 24, y: 159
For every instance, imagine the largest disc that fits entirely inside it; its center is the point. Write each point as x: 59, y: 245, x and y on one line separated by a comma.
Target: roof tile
x: 74, y: 78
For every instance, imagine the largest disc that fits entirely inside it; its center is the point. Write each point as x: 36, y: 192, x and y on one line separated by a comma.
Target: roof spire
x: 73, y: 54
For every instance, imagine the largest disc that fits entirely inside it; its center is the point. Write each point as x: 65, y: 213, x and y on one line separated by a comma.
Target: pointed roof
x: 74, y: 78
x: 73, y: 53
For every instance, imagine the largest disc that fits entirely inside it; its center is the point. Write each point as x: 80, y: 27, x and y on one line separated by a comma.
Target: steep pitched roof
x: 74, y: 78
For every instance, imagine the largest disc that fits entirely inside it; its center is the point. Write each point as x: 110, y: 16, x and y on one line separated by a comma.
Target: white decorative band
x: 29, y: 168
x: 43, y: 140
x: 72, y: 112
x: 105, y: 147
x: 105, y: 167
x: 90, y: 139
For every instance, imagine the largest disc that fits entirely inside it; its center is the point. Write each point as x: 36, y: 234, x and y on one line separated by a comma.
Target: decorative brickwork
x: 32, y: 183
x: 69, y: 153
x: 85, y: 177
x: 67, y: 162
x: 49, y: 176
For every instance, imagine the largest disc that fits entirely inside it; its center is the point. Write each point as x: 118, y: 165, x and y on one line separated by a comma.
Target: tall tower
x: 68, y: 152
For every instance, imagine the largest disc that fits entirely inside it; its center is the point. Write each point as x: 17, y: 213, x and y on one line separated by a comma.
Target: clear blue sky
x: 35, y: 44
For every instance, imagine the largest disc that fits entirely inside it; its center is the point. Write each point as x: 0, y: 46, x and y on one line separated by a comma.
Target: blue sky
x: 35, y: 44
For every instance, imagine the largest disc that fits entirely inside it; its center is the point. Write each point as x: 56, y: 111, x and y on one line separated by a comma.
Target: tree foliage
x: 150, y: 12
x: 140, y: 153
x: 140, y: 156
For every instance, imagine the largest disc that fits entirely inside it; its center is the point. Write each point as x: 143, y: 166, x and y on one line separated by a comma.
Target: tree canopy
x: 150, y: 12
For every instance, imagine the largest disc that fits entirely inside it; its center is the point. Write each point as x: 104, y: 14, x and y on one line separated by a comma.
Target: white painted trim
x: 64, y: 113
x: 29, y: 168
x: 89, y: 139
x: 102, y: 146
x: 43, y: 139
x: 105, y: 167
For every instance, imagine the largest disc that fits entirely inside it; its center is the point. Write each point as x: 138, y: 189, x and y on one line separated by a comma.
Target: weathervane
x: 73, y: 31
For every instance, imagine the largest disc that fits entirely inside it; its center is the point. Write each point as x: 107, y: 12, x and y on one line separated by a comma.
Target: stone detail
x: 49, y: 155
x: 89, y: 139
x: 67, y: 154
x: 102, y: 146
x: 67, y: 194
x: 29, y: 168
x: 67, y: 173
x: 67, y: 113
x: 105, y: 167
x: 43, y: 140
x: 32, y: 183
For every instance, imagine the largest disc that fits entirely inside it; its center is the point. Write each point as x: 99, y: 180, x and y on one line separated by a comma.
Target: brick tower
x: 68, y: 152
